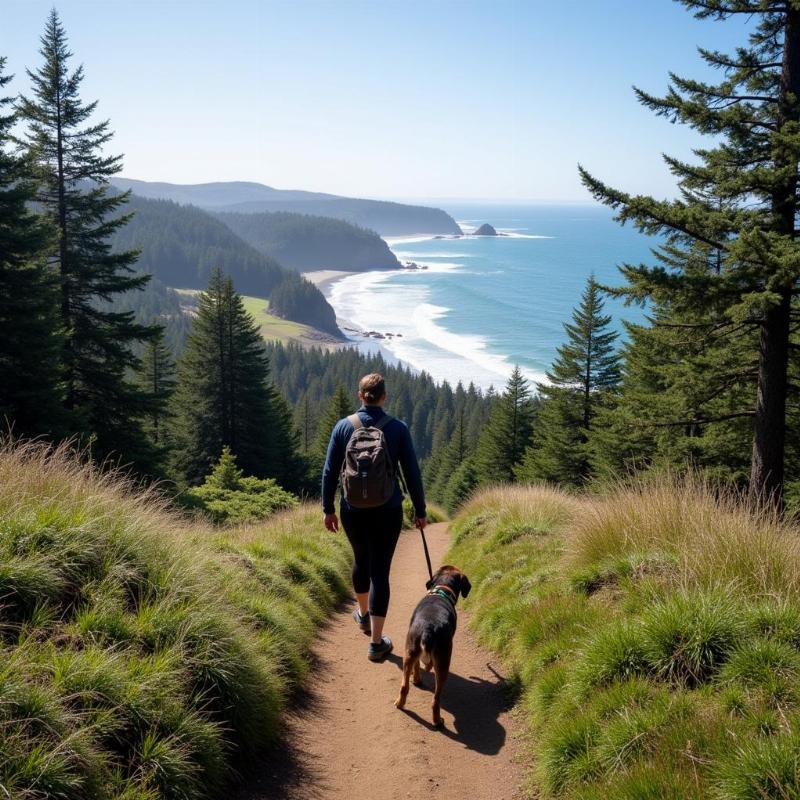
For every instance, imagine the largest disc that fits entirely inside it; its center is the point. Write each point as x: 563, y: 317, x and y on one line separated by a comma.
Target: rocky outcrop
x: 485, y: 230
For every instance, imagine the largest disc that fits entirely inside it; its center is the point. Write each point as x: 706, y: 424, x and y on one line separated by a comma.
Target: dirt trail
x: 348, y: 739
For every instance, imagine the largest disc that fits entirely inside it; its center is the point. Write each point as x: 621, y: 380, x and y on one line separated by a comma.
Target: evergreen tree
x: 157, y: 379
x: 73, y: 174
x: 304, y: 422
x: 448, y: 457
x: 224, y: 396
x: 674, y: 372
x: 225, y: 474
x: 30, y: 336
x: 585, y: 371
x: 340, y: 405
x: 460, y: 485
x: 507, y: 433
x: 730, y: 239
x: 292, y: 467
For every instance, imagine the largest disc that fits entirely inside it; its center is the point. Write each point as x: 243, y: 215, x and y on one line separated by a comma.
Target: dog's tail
x: 427, y: 646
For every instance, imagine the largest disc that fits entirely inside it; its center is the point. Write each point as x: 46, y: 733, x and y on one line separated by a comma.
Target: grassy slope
x: 655, y: 635
x: 139, y: 658
x: 274, y: 328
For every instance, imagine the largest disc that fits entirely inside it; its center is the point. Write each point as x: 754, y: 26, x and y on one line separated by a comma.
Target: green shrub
x: 228, y: 497
x: 435, y: 514
x: 689, y: 635
x: 617, y: 652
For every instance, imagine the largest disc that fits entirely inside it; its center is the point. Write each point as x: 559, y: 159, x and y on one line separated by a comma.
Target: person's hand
x: 332, y: 522
x: 420, y: 523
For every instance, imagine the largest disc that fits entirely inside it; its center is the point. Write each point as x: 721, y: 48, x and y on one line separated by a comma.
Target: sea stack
x: 485, y: 230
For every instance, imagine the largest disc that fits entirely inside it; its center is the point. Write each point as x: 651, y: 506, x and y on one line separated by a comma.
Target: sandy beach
x: 324, y: 278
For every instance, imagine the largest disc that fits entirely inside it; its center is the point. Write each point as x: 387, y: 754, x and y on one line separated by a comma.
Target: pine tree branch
x: 713, y: 326
x: 642, y: 210
x: 695, y: 420
x: 747, y: 64
x: 719, y: 9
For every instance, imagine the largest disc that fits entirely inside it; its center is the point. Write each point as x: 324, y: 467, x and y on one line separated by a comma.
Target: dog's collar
x: 446, y: 592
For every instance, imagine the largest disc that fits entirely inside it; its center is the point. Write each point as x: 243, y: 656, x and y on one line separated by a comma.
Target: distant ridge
x: 386, y: 218
x: 305, y: 242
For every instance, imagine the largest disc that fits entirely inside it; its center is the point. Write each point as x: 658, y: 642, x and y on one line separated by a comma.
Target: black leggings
x: 373, y: 534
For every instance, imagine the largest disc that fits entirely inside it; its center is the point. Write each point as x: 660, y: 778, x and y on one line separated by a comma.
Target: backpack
x: 367, y: 470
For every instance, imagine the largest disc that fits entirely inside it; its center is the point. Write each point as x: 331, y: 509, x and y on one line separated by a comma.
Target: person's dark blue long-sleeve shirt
x: 401, y: 450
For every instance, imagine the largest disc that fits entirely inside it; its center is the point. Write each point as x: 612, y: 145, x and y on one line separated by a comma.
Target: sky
x: 399, y: 99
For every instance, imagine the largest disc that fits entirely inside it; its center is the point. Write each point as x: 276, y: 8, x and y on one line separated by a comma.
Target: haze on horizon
x: 457, y: 100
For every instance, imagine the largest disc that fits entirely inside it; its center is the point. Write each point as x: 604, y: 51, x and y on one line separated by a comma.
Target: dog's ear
x: 466, y: 586
x: 435, y: 578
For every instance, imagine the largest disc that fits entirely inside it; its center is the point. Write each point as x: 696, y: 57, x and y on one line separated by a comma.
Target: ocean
x: 484, y: 304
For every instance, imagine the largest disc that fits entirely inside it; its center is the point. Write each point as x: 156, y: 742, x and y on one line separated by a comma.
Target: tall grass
x: 654, y: 631
x: 141, y: 658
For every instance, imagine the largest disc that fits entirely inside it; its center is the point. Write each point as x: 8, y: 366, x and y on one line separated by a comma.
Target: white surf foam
x: 472, y: 348
x: 383, y: 302
x: 418, y: 237
x: 401, y: 254
x: 512, y: 235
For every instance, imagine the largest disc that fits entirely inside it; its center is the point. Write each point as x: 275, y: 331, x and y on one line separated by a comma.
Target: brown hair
x: 372, y: 387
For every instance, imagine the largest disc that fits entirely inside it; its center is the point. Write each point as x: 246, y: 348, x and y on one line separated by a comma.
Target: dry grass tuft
x: 713, y: 535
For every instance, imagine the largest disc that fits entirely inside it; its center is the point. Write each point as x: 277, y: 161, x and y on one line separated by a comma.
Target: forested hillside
x: 157, y: 303
x: 305, y: 242
x: 311, y: 380
x: 389, y: 219
x: 182, y: 245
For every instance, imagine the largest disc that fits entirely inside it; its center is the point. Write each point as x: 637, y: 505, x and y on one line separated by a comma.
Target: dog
x: 430, y: 634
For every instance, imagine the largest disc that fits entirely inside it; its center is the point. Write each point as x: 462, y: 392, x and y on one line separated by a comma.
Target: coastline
x: 394, y: 313
x: 325, y: 280
x: 484, y: 304
x: 419, y: 343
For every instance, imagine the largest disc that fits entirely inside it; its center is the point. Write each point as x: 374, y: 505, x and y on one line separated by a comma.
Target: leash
x: 404, y: 488
x: 427, y: 555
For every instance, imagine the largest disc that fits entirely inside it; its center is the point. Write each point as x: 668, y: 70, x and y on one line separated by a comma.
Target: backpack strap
x: 380, y: 425
x: 355, y: 421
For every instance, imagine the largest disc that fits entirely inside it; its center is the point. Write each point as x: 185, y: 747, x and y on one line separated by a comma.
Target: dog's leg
x: 441, y: 668
x: 409, y: 662
x: 416, y: 678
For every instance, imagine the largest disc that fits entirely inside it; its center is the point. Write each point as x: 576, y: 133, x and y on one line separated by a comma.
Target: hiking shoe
x: 379, y: 650
x: 362, y: 622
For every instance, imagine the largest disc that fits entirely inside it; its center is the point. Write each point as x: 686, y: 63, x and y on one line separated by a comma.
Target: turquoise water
x: 484, y: 304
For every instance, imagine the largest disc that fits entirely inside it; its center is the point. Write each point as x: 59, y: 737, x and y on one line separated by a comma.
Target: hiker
x: 367, y: 450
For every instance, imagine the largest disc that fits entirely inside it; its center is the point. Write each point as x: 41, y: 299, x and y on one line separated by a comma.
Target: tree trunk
x: 766, y: 471
x: 63, y: 255
x: 232, y: 387
x: 769, y: 437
